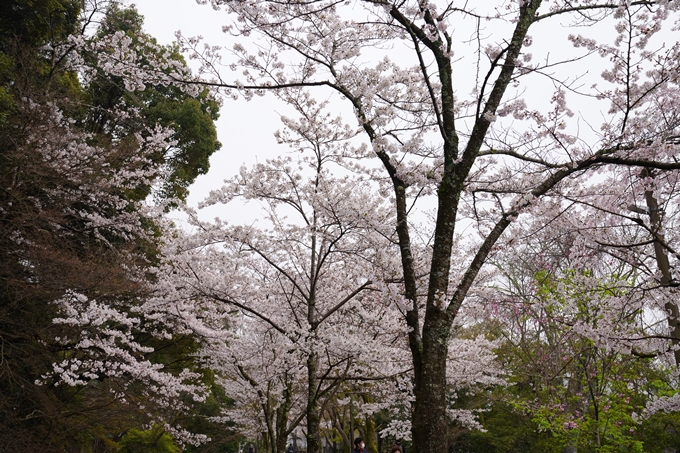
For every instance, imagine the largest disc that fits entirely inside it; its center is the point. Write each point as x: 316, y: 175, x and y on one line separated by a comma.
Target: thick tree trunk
x: 313, y: 410
x: 370, y: 439
x: 429, y: 422
x: 664, y: 265
x: 281, y: 444
x: 282, y: 414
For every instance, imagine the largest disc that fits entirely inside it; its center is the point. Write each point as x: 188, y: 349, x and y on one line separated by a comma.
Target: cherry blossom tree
x: 311, y: 302
x: 456, y: 110
x: 301, y: 296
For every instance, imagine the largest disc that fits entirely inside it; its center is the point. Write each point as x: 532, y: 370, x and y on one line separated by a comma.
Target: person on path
x: 359, y: 445
x: 397, y: 448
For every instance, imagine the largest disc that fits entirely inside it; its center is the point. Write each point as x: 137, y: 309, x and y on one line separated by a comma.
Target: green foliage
x: 25, y: 27
x: 508, y: 429
x: 154, y: 440
x: 37, y: 22
x: 191, y: 118
x: 565, y: 389
x: 6, y: 101
x: 223, y: 438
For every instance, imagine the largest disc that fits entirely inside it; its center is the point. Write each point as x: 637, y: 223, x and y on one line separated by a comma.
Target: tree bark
x: 429, y: 421
x: 370, y: 438
x: 313, y: 410
x: 282, y: 414
x: 664, y: 265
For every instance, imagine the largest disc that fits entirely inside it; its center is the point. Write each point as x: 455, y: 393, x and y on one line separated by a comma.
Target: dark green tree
x: 191, y: 117
x: 63, y: 161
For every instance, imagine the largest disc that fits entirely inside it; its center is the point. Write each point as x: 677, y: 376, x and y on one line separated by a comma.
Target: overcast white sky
x: 244, y: 128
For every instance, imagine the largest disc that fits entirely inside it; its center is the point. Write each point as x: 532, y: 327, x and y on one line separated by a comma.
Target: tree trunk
x: 282, y: 414
x: 281, y: 444
x: 429, y: 420
x: 313, y: 412
x: 664, y: 265
x: 370, y: 437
